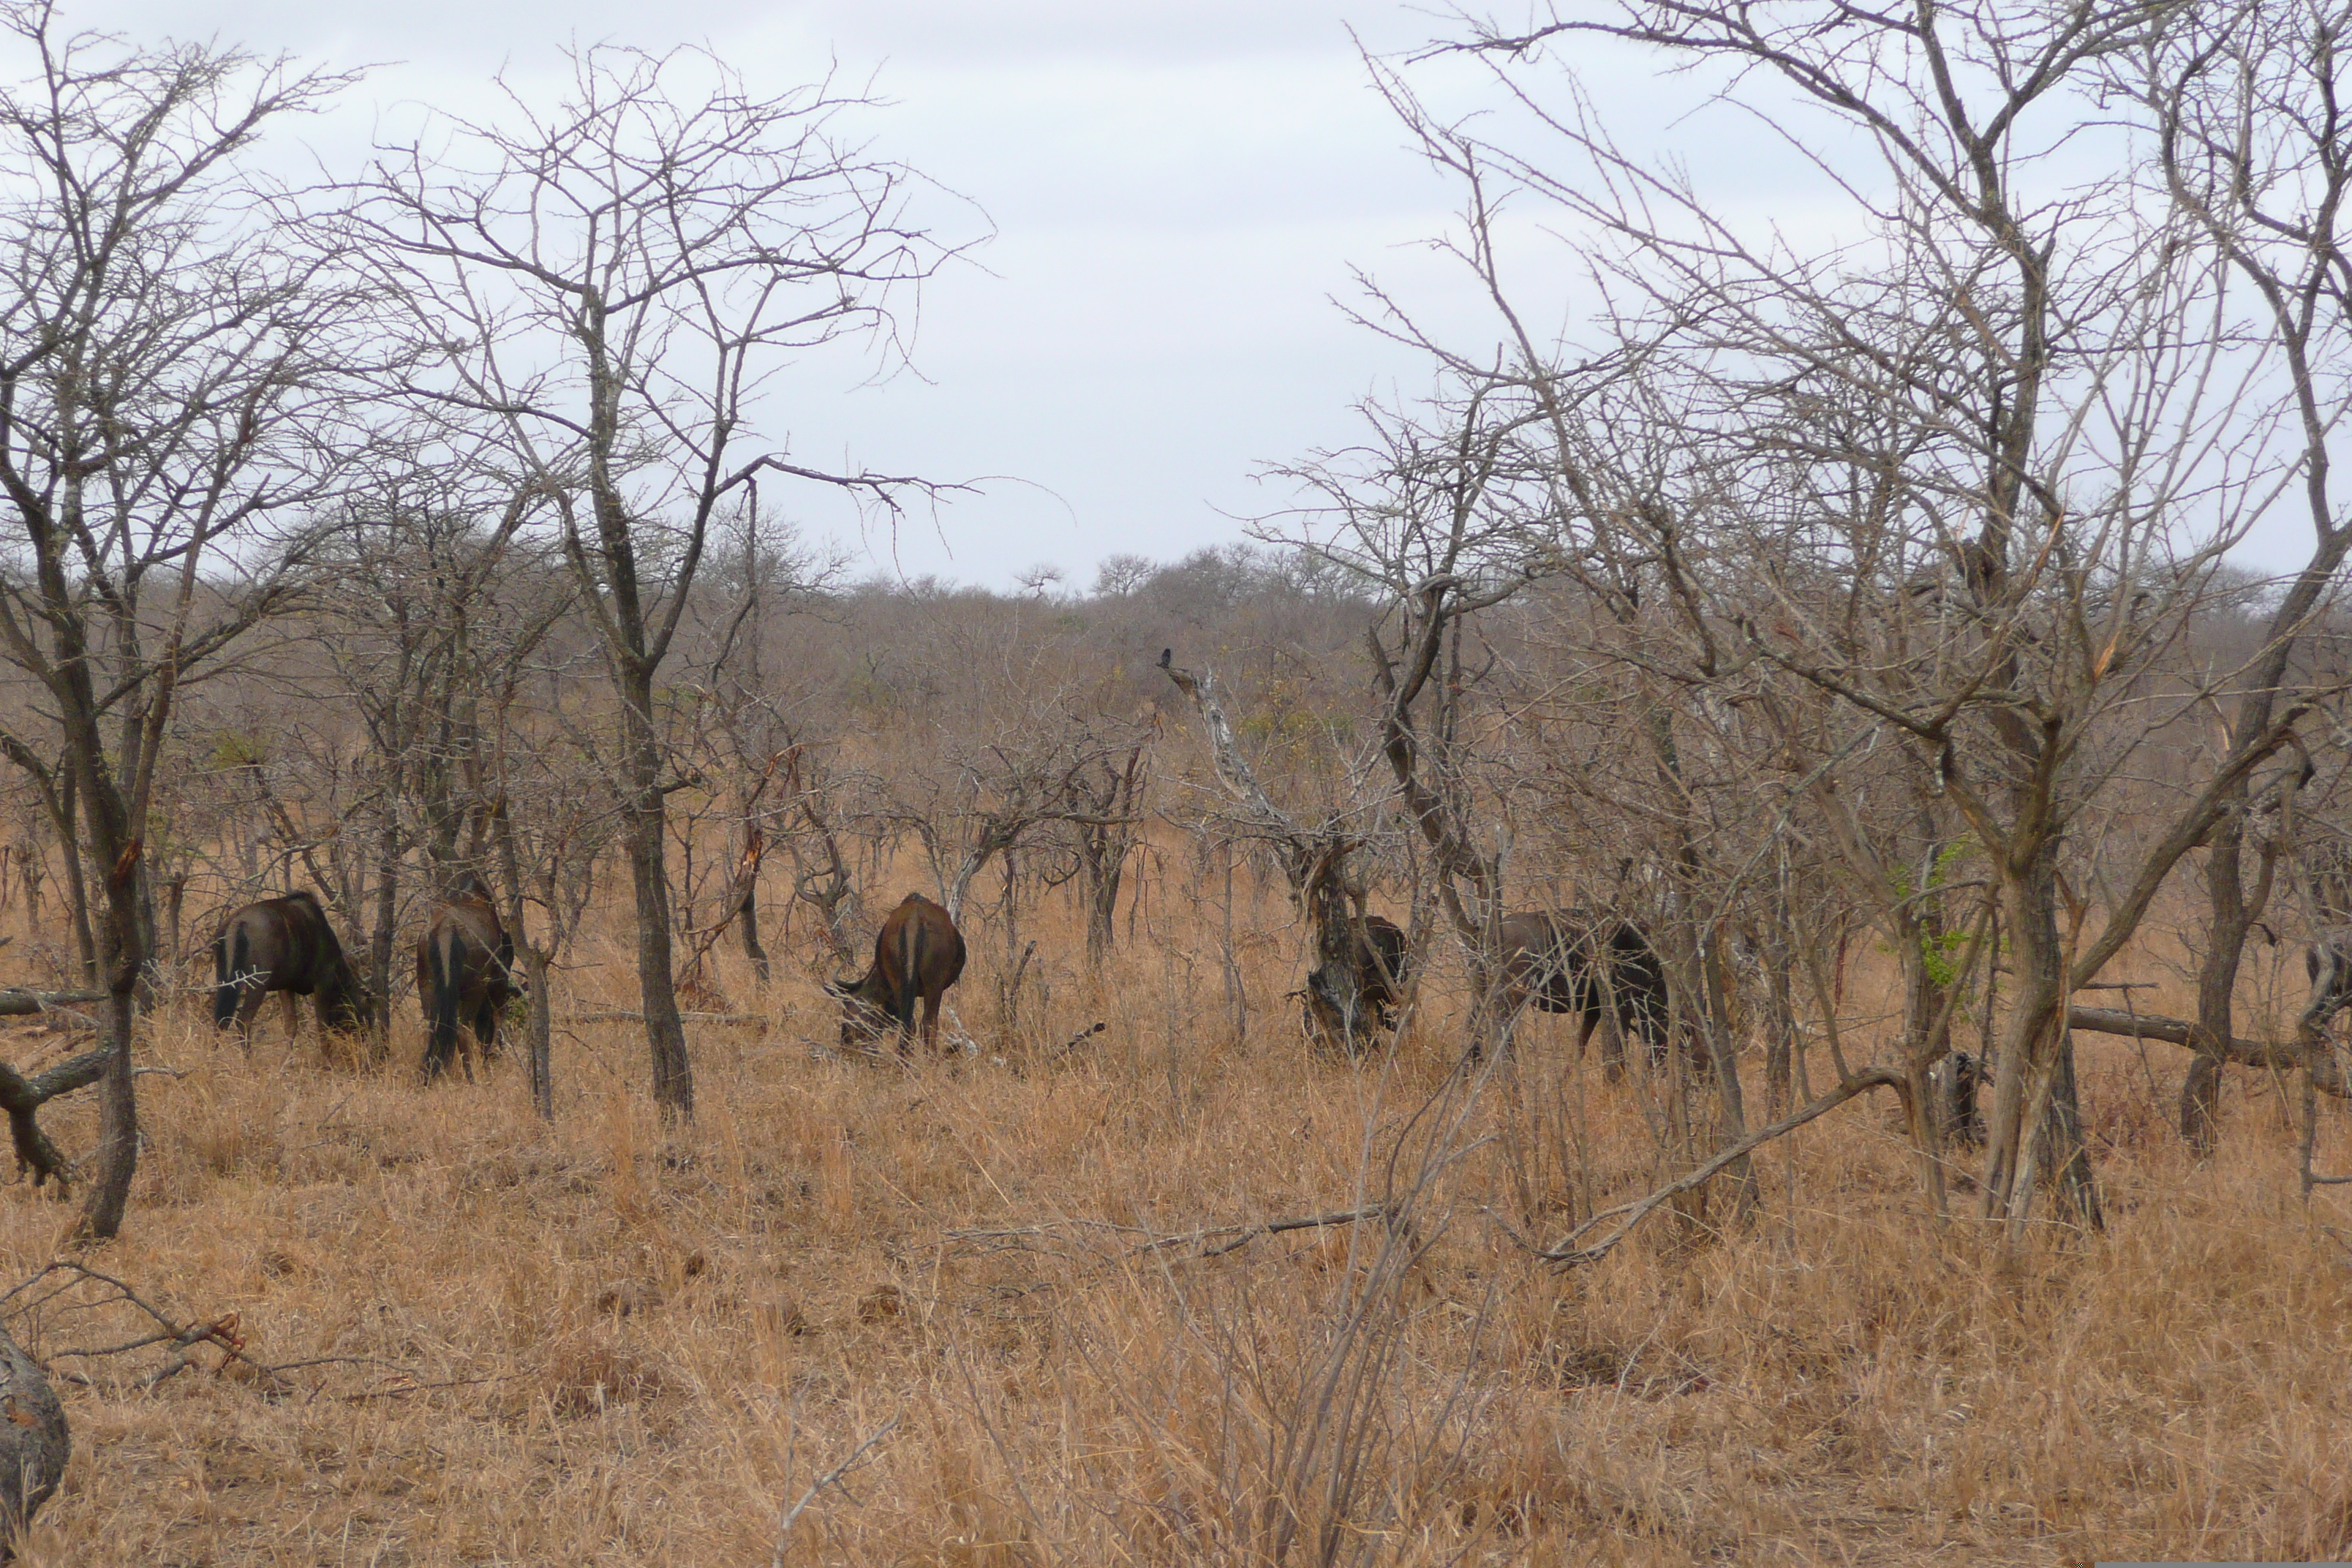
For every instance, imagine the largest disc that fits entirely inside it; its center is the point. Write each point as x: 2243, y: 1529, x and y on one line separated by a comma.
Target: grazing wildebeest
x: 289, y: 946
x: 1958, y: 1078
x: 1549, y: 962
x: 1381, y: 968
x: 918, y: 953
x: 465, y: 969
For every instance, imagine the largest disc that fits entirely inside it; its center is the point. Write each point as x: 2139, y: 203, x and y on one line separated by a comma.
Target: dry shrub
x: 590, y: 1375
x: 1835, y: 1380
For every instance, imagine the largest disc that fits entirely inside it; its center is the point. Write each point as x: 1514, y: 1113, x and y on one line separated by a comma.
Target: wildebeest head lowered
x: 1579, y: 964
x: 919, y: 953
x: 465, y: 973
x: 286, y: 946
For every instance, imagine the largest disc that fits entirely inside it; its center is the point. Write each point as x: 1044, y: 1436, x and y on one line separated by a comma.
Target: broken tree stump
x: 33, y: 1442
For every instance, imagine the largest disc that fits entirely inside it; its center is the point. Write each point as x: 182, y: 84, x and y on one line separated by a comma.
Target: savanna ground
x: 597, y: 1341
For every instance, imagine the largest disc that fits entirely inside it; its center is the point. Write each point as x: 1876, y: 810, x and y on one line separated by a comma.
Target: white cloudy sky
x: 1178, y: 191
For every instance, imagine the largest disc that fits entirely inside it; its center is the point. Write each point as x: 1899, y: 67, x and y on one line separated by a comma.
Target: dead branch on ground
x: 831, y: 1477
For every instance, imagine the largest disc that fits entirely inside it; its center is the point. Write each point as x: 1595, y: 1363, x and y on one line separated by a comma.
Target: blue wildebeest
x: 1578, y: 964
x: 919, y: 953
x: 286, y: 946
x: 465, y: 973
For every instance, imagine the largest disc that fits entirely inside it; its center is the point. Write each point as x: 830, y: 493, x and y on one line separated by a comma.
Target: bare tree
x: 616, y: 279
x: 177, y: 370
x: 2270, y: 203
x: 1102, y: 794
x: 409, y: 564
x: 1314, y: 854
x: 1966, y: 478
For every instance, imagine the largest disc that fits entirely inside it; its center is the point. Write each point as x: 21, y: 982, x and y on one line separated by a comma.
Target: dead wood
x: 833, y: 1476
x: 1235, y: 1236
x: 34, y: 1441
x: 1224, y: 1237
x: 2327, y: 1073
x: 182, y: 1340
x: 1063, y: 1050
x: 15, y: 1003
x: 23, y: 1098
x: 615, y: 1015
x: 1568, y: 1252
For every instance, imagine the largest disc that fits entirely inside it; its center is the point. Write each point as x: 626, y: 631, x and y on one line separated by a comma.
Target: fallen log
x: 17, y: 1002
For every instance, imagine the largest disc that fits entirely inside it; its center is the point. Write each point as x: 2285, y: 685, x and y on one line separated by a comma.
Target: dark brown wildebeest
x: 465, y: 970
x: 286, y: 946
x: 1549, y: 963
x: 918, y: 953
x: 1382, y: 967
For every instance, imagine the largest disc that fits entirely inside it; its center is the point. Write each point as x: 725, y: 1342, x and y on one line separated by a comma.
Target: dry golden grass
x: 598, y: 1343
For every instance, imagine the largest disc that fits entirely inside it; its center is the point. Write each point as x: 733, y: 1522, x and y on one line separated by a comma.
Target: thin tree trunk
x: 120, y: 962
x: 748, y: 910
x: 649, y: 874
x: 175, y: 894
x: 1779, y: 1044
x: 2216, y: 981
x: 77, y: 884
x: 2037, y: 1044
x: 380, y: 941
x: 537, y: 1030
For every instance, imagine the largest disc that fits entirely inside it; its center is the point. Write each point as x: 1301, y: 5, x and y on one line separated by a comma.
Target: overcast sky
x: 1176, y: 194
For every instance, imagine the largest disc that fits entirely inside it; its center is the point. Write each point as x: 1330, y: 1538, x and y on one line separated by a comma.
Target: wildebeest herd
x: 465, y: 971
x: 1598, y: 970
x: 1595, y: 970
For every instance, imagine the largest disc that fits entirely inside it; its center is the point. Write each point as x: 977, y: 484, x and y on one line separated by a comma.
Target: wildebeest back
x: 465, y: 973
x: 286, y: 946
x: 917, y: 955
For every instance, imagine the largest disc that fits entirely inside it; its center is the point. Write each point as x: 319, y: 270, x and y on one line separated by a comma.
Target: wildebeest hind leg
x: 485, y: 1029
x: 250, y: 996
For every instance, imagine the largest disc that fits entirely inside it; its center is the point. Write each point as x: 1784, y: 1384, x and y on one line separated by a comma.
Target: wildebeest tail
x: 229, y: 952
x: 912, y: 950
x: 446, y: 963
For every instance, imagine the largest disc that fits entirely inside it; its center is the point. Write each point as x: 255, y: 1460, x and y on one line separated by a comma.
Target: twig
x: 1074, y: 1041
x: 17, y: 1002
x: 1240, y: 1236
x: 1568, y: 1253
x: 831, y: 1478
x: 424, y: 1387
x: 616, y: 1016
x: 221, y: 1331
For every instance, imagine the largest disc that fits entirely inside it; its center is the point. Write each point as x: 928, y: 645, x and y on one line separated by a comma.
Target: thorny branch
x: 833, y: 1476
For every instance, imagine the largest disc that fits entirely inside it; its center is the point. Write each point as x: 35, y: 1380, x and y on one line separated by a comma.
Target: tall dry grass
x: 600, y: 1341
